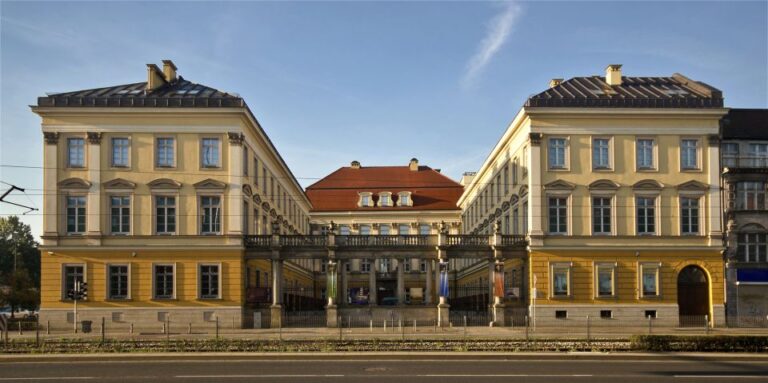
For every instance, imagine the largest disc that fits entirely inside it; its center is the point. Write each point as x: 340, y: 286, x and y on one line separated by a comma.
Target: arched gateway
x: 693, y: 296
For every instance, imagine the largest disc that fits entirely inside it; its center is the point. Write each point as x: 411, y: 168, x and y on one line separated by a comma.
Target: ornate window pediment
x: 119, y: 183
x: 210, y: 184
x: 273, y: 213
x: 74, y: 184
x: 265, y: 206
x: 497, y: 213
x: 649, y: 185
x: 559, y: 185
x: 692, y: 186
x: 505, y: 206
x: 256, y: 198
x: 247, y: 190
x: 523, y: 191
x: 604, y: 185
x: 164, y: 183
x: 514, y: 200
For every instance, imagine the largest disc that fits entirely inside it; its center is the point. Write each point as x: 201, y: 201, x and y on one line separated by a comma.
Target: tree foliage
x: 17, y: 245
x: 20, y: 292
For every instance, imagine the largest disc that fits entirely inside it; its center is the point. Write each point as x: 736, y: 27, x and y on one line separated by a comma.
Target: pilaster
x: 50, y: 187
x: 535, y: 210
x: 93, y: 220
x: 235, y: 190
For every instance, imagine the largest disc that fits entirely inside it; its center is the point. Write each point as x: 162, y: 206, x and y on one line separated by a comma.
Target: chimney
x: 613, y: 74
x: 155, y: 78
x: 355, y: 165
x: 169, y: 71
x: 413, y: 165
x: 467, y: 178
x: 555, y: 82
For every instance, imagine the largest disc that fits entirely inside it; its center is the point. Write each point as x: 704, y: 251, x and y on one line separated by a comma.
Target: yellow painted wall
x: 141, y: 277
x: 627, y: 282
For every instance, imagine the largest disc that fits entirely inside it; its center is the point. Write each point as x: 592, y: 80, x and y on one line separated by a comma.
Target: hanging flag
x: 498, y: 281
x: 331, y: 280
x: 443, y: 279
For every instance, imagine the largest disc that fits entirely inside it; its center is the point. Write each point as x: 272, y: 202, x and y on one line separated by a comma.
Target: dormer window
x: 385, y: 199
x: 404, y: 199
x: 366, y: 200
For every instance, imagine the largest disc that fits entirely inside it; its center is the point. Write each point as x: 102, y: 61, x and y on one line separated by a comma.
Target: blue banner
x: 752, y: 275
x: 443, y: 280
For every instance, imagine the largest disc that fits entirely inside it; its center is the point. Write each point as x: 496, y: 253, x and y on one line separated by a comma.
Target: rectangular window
x: 561, y: 280
x: 164, y: 156
x: 424, y: 229
x: 557, y: 153
x: 506, y: 224
x: 407, y: 265
x: 515, y: 166
x: 404, y: 199
x: 76, y: 215
x: 365, y: 201
x: 384, y: 230
x: 209, y: 281
x: 604, y: 280
x: 650, y: 314
x: 558, y: 215
x: 210, y: 152
x: 118, y: 281
x: 689, y: 154
x: 601, y: 153
x: 730, y: 151
x: 403, y: 230
x: 365, y: 265
x: 163, y: 275
x: 498, y: 188
x: 525, y: 217
x: 76, y: 152
x: 120, y: 214
x: 210, y: 215
x: 72, y: 275
x: 515, y: 221
x: 165, y: 215
x: 506, y: 179
x: 646, y: 215
x: 245, y: 217
x: 752, y: 247
x: 645, y: 153
x: 649, y: 279
x: 689, y: 215
x: 750, y: 195
x: 245, y: 160
x: 561, y: 314
x: 365, y: 230
x: 758, y: 154
x: 384, y: 200
x: 120, y: 152
x: 606, y: 314
x: 384, y: 264
x: 423, y: 266
x: 601, y: 215
x: 344, y: 230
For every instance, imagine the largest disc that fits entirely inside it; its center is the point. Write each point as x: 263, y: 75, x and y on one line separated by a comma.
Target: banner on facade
x: 443, y: 279
x: 498, y: 281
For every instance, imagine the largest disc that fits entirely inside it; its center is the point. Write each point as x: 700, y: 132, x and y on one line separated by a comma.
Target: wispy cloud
x: 499, y: 30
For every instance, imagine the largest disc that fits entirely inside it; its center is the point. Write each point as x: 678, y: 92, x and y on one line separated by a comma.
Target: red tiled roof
x: 429, y: 189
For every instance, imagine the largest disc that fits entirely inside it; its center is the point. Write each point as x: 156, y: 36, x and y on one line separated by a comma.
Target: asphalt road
x: 386, y: 368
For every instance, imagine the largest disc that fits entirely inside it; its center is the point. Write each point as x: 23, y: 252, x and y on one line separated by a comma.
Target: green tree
x: 18, y: 250
x: 20, y: 292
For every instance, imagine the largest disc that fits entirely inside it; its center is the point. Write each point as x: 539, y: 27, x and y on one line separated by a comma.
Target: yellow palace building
x: 614, y: 181
x: 149, y: 190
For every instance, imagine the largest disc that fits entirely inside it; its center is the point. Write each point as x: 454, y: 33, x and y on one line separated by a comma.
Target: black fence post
x: 103, y: 330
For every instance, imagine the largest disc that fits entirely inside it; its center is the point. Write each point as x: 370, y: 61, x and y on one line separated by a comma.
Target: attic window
x: 194, y: 91
x: 182, y: 91
x: 365, y: 200
x: 675, y: 92
x: 385, y: 199
x: 137, y: 91
x: 404, y: 199
x: 124, y: 91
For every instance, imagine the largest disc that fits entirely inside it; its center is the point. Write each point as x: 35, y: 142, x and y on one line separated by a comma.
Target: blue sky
x: 378, y: 82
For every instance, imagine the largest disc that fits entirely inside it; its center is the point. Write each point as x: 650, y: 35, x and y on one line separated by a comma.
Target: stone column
x: 276, y: 310
x: 372, y: 292
x: 331, y: 310
x: 401, y: 281
x: 428, y: 289
x: 93, y: 220
x: 50, y: 185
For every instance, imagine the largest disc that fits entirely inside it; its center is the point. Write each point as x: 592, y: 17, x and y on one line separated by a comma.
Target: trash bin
x: 87, y: 326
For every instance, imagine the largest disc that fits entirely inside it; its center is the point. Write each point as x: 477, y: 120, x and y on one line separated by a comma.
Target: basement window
x: 606, y: 314
x: 561, y: 314
x: 650, y: 314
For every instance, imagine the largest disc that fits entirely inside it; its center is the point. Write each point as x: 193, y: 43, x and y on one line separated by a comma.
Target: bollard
x: 167, y: 329
x: 588, y: 334
x: 20, y: 332
x: 349, y: 323
x: 189, y: 330
x: 402, y: 330
x: 434, y: 322
x: 385, y: 325
x: 414, y: 326
x: 650, y: 324
x: 103, y: 330
x: 706, y: 324
x: 47, y: 327
x: 130, y: 331
x: 280, y: 330
x: 217, y: 328
x: 526, y: 329
x: 37, y: 334
x: 340, y: 326
x: 371, y: 325
x: 465, y: 326
x: 233, y: 322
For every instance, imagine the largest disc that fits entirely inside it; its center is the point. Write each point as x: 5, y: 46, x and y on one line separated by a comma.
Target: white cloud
x: 499, y: 30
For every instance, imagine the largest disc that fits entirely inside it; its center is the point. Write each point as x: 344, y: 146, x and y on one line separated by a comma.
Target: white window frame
x: 424, y: 226
x: 78, y: 216
x: 612, y: 213
x: 201, y: 213
x: 758, y: 158
x: 760, y: 246
x: 218, y: 152
x: 108, y: 293
x: 656, y: 200
x: 697, y: 154
x: 365, y: 199
x: 656, y: 268
x: 566, y: 153
x: 744, y: 194
x: 173, y: 149
x: 219, y: 276
x: 385, y: 199
x: 127, y: 164
x: 609, y: 153
x: 730, y: 158
x: 364, y: 228
x: 558, y: 266
x: 175, y: 214
x: 365, y: 265
x: 81, y: 156
x: 154, y: 281
x: 568, y: 213
x: 699, y: 222
x: 597, y: 267
x: 382, y: 230
x: 121, y: 207
x: 654, y: 154
x: 404, y: 195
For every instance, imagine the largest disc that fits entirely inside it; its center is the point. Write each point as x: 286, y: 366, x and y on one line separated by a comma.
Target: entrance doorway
x: 693, y: 296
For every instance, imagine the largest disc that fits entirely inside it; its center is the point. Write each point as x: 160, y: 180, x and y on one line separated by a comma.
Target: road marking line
x: 505, y: 376
x: 253, y: 376
x: 50, y: 378
x: 722, y: 376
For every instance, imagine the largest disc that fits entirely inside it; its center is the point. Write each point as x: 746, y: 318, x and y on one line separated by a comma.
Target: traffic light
x: 71, y: 294
x: 83, y: 290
